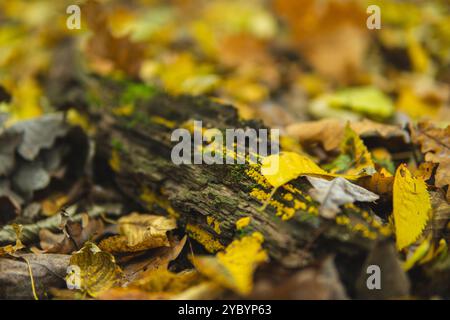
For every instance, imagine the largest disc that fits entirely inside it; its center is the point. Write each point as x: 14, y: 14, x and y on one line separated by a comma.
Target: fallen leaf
x: 435, y: 144
x: 93, y: 270
x: 330, y: 132
x: 140, y: 232
x: 234, y: 267
x: 354, y: 158
x: 331, y: 34
x: 412, y: 207
x: 365, y: 100
x: 440, y: 217
x: 53, y: 204
x: 106, y: 52
x: 161, y: 281
x: 380, y: 182
x: 281, y: 168
x: 337, y: 192
x: 39, y: 133
x: 79, y: 234
x: 11, y: 249
x: 158, y: 259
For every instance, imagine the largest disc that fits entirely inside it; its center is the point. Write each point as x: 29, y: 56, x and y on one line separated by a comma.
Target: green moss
x: 136, y: 91
x: 116, y: 144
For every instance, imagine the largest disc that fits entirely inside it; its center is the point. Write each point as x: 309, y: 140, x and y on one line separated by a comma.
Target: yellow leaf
x: 92, y: 270
x: 281, y: 168
x: 243, y: 222
x: 140, y: 232
x: 353, y: 147
x: 234, y: 267
x: 11, y: 249
x: 25, y: 104
x: 53, y: 204
x: 411, y: 207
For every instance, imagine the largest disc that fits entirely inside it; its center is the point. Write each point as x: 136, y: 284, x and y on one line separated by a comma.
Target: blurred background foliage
x: 283, y: 61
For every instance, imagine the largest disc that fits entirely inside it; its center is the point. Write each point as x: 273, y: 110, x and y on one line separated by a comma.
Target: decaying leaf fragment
x: 140, y: 232
x: 354, y: 159
x: 92, y: 270
x: 380, y: 182
x: 234, y: 267
x: 11, y: 249
x: 330, y: 132
x: 435, y: 144
x: 79, y: 233
x: 412, y: 207
x: 334, y: 193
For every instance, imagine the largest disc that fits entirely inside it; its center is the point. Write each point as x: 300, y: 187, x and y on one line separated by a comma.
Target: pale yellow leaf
x: 411, y: 207
x: 234, y: 267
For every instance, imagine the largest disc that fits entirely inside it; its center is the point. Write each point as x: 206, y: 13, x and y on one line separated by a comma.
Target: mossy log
x: 133, y: 124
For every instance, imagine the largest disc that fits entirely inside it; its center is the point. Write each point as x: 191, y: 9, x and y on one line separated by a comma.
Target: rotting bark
x: 207, y: 199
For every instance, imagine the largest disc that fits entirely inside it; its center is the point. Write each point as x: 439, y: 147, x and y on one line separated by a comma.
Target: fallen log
x: 134, y: 123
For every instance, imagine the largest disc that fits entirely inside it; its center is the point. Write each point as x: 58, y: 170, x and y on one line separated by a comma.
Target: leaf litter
x: 364, y: 117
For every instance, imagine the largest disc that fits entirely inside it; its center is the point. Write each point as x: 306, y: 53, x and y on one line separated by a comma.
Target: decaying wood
x: 48, y: 270
x: 207, y: 199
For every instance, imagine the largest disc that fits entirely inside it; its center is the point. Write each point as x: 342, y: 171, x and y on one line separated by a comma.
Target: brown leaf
x: 435, y: 144
x: 332, y: 34
x: 108, y: 53
x: 59, y: 243
x: 330, y: 132
x: 139, y: 232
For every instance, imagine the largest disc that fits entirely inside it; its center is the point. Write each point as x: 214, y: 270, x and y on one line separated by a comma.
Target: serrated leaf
x: 412, y: 207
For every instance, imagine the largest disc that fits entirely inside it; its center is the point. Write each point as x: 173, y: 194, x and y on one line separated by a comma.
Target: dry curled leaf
x: 11, y: 249
x: 59, y: 243
x: 435, y: 144
x: 330, y: 132
x: 140, y: 232
x: 412, y: 207
x: 380, y: 182
x: 337, y: 192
